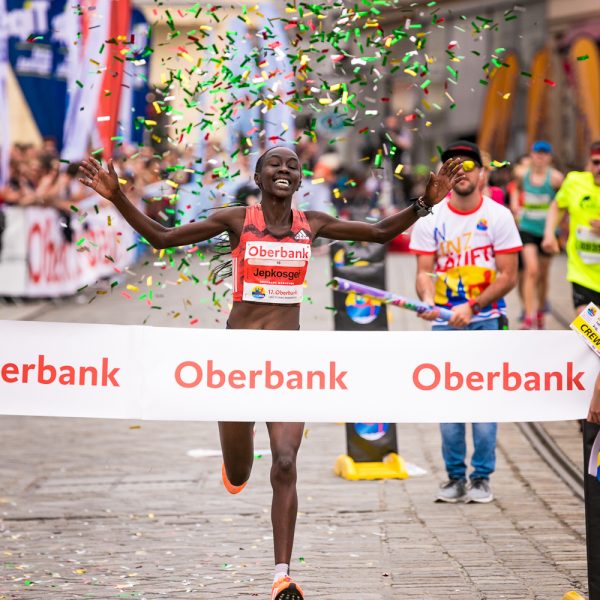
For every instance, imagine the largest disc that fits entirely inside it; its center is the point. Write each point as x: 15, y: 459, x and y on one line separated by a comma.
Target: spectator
x: 579, y: 196
x: 495, y: 193
x: 538, y: 183
x: 470, y: 243
x: 49, y: 147
x: 500, y: 177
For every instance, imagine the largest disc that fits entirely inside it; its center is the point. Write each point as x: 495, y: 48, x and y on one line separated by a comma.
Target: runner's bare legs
x: 285, y: 442
x: 237, y: 444
x: 531, y: 274
x: 543, y: 281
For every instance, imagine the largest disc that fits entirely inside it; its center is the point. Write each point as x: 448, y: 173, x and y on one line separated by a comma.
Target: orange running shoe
x: 286, y: 589
x: 232, y: 489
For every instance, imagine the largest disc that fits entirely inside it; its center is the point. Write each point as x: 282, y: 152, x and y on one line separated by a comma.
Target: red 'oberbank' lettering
x: 428, y: 376
x: 260, y: 251
x: 190, y: 374
x: 46, y: 373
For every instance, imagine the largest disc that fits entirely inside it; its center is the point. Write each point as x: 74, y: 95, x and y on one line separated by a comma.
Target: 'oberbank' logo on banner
x: 428, y: 376
x: 190, y: 374
x: 47, y: 373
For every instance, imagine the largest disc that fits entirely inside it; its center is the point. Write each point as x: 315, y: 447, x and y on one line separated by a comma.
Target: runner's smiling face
x: 279, y: 174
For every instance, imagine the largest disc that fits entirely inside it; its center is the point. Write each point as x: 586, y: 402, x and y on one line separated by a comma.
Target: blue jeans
x: 454, y: 445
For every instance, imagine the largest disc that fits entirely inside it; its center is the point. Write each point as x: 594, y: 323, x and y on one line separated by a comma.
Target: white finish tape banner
x: 134, y: 372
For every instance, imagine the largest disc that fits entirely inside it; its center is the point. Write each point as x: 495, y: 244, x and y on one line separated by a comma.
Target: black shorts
x: 536, y: 240
x: 582, y: 296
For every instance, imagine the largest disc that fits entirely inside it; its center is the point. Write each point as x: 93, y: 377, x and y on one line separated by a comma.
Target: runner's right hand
x: 105, y: 183
x: 550, y: 245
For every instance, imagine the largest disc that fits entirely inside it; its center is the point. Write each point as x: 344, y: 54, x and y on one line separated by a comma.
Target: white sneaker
x: 453, y: 491
x: 479, y: 490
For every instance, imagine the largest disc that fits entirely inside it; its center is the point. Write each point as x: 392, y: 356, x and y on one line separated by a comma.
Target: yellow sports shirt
x: 581, y: 197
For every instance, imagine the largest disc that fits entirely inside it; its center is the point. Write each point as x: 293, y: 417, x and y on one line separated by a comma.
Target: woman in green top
x: 537, y: 187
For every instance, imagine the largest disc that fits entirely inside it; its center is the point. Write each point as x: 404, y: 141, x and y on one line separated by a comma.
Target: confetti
x: 325, y: 65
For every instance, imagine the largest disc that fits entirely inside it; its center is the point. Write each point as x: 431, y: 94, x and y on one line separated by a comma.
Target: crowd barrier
x: 46, y: 253
x: 135, y: 372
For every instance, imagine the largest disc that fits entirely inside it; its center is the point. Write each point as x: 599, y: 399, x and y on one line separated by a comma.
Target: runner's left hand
x: 595, y: 225
x: 461, y: 316
x: 439, y: 186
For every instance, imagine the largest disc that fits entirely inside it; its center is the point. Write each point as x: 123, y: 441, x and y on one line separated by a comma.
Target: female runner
x: 270, y: 250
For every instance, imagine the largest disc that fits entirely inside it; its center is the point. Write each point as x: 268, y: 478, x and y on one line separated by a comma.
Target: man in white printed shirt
x: 467, y: 261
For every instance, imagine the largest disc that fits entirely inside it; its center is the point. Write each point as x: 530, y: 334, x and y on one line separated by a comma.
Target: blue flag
x: 38, y: 43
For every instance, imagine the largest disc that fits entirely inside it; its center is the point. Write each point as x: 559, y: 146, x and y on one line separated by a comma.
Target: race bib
x: 587, y: 244
x: 274, y: 272
x: 536, y: 206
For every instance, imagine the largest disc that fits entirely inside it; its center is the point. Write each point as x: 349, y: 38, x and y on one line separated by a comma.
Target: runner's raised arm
x: 438, y: 187
x: 106, y: 183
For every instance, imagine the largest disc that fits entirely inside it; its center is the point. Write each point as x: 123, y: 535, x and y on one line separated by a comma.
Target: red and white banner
x: 133, y: 372
x: 110, y: 99
x: 37, y: 259
x: 88, y: 62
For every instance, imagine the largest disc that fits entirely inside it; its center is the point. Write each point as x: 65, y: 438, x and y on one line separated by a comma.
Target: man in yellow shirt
x: 579, y: 195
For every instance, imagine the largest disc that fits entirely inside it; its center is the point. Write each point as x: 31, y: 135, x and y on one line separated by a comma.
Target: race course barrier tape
x: 37, y: 260
x: 135, y: 372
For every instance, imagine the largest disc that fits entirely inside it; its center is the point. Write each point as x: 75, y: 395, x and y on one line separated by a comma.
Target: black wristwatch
x: 421, y: 207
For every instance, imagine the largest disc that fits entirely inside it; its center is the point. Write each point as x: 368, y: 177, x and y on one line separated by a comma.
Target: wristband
x: 421, y: 207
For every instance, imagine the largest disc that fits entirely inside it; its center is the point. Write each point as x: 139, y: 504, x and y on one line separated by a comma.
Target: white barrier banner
x: 134, y: 372
x: 38, y: 260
